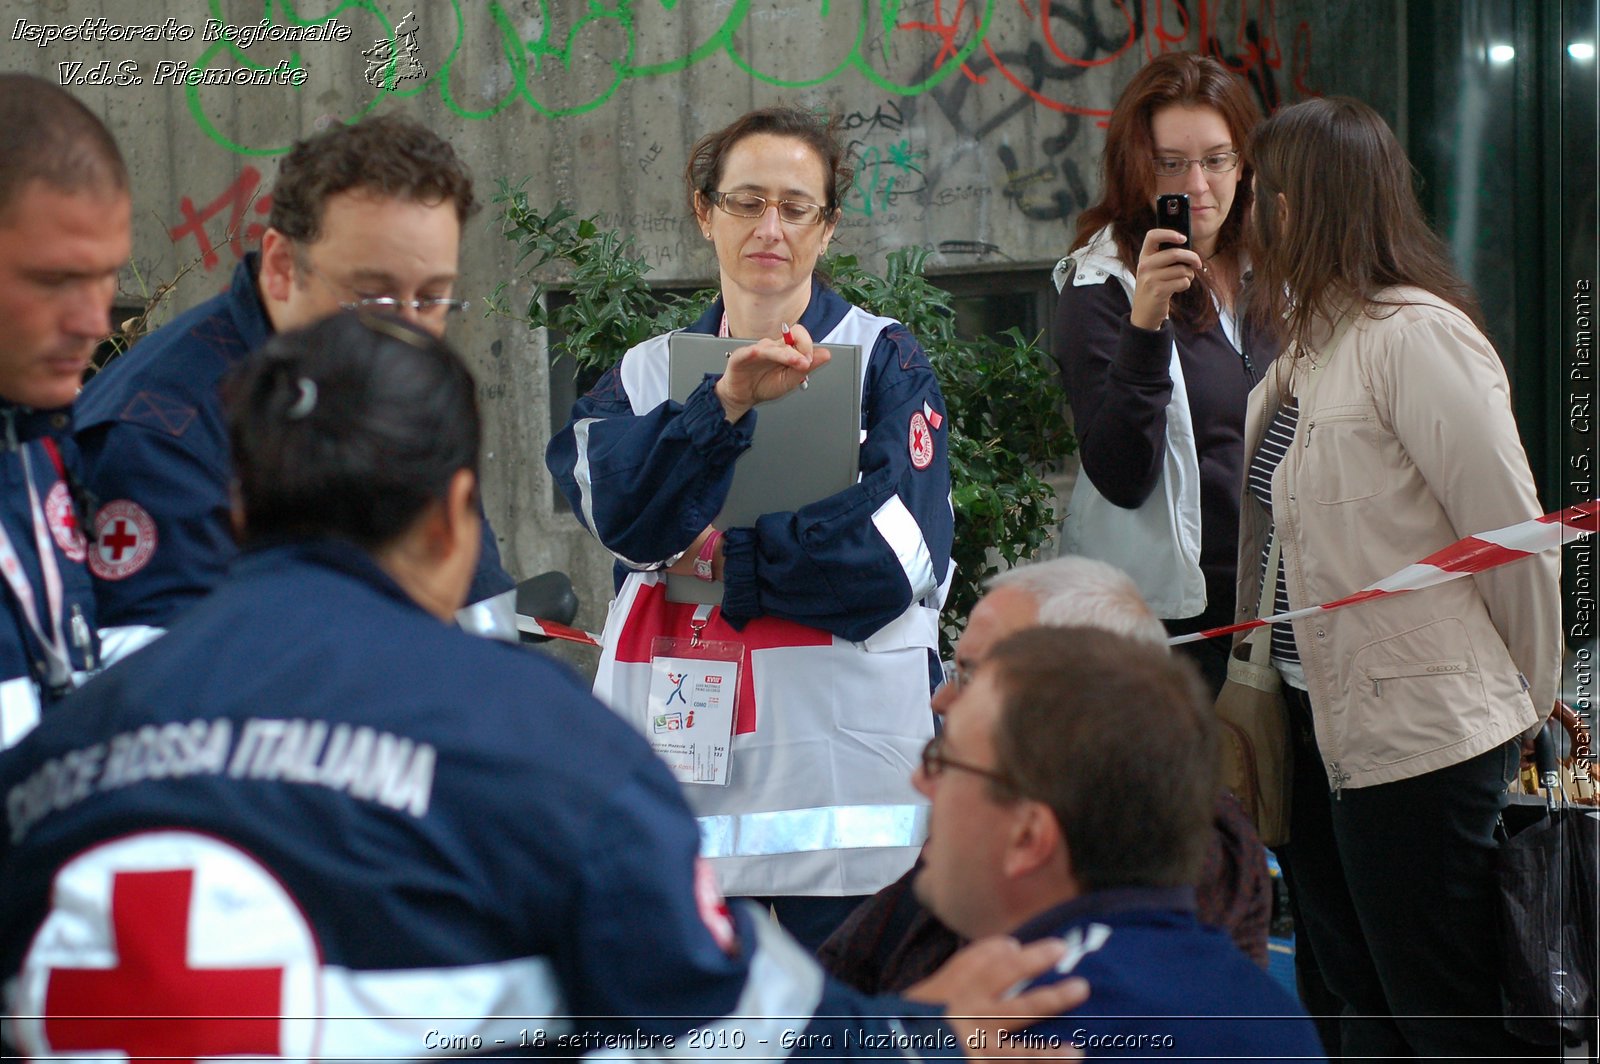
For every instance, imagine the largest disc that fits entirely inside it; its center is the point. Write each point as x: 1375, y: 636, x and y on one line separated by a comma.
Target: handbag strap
x: 1261, y: 639
x: 1315, y: 360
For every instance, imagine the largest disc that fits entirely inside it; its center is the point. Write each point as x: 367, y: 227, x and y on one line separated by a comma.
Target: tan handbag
x: 1256, y: 763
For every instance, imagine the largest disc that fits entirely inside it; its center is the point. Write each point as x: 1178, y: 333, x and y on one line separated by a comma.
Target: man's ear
x: 277, y: 265
x: 1035, y: 840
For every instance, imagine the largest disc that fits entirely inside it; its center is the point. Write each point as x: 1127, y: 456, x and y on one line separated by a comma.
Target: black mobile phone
x: 1172, y: 212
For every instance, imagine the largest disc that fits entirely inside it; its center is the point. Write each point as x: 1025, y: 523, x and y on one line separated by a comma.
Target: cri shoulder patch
x: 125, y: 540
x: 63, y: 522
x: 921, y: 441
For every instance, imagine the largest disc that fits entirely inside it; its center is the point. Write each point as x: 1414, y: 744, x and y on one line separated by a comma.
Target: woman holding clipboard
x: 828, y: 623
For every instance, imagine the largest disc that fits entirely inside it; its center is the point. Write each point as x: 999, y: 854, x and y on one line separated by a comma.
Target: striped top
x: 1274, y: 445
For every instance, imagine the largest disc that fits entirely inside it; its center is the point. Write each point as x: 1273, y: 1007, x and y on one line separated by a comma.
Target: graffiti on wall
x: 952, y: 78
x: 233, y: 205
x: 562, y: 65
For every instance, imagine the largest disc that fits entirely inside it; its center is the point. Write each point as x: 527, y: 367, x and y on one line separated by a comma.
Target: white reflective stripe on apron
x: 839, y: 827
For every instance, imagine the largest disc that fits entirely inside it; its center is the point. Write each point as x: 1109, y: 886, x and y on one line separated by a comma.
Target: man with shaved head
x: 65, y: 232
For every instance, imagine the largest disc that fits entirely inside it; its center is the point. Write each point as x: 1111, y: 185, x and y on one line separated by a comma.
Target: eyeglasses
x: 749, y: 205
x: 934, y: 763
x: 1221, y: 162
x: 436, y: 307
x: 956, y: 676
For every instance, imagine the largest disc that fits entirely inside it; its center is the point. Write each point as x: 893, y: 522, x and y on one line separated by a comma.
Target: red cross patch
x: 125, y: 540
x: 921, y: 441
x: 169, y: 944
x: 63, y: 522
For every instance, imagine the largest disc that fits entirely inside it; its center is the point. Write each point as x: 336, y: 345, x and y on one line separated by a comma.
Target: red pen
x: 788, y: 338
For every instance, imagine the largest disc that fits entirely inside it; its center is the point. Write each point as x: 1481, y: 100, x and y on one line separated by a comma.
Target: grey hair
x: 1074, y: 591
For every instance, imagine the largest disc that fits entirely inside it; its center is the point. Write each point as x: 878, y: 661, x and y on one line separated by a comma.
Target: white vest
x: 819, y: 800
x: 1157, y: 544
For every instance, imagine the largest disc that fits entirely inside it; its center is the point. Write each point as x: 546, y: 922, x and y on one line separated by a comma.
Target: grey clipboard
x: 807, y: 445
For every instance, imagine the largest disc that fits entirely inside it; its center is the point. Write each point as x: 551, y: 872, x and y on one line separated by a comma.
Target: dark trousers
x: 1209, y: 655
x: 1394, y: 888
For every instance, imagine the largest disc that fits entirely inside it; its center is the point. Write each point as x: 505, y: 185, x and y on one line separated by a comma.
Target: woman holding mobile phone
x: 1154, y: 365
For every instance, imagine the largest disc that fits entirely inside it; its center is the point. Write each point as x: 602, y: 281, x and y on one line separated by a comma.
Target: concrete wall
x: 977, y: 123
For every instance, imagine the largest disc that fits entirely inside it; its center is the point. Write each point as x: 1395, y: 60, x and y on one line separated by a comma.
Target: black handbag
x: 1549, y: 893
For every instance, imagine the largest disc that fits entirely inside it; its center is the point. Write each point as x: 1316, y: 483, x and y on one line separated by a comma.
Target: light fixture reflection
x: 1582, y: 51
x: 1502, y: 53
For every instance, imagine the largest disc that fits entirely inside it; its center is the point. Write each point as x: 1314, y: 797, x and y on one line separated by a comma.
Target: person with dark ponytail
x: 328, y: 448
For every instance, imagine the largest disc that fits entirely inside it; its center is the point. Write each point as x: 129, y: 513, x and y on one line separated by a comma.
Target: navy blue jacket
x: 22, y: 435
x: 154, y: 436
x: 1163, y: 986
x: 661, y: 476
x: 405, y: 827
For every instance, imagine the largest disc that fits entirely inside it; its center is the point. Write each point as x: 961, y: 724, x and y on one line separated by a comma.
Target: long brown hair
x: 1349, y: 227
x: 1127, y: 178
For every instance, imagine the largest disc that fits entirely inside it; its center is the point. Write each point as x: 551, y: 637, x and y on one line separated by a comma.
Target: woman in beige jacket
x: 1383, y: 433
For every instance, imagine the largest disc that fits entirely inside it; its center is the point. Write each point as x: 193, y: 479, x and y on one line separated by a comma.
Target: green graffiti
x: 604, y: 38
x: 881, y: 176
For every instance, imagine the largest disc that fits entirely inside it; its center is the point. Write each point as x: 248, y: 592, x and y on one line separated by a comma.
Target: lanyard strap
x: 54, y: 451
x: 58, y: 664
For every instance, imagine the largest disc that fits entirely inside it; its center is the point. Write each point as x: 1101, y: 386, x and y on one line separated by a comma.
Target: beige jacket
x: 1405, y: 443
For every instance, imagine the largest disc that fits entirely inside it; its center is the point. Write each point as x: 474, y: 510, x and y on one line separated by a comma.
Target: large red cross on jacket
x: 153, y: 1004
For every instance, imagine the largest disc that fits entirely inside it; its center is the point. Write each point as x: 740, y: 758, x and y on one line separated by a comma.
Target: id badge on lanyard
x: 48, y: 627
x: 693, y: 685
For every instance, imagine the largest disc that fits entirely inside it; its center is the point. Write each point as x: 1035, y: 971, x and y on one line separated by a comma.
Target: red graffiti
x: 237, y: 198
x: 1047, y: 63
x: 947, y: 31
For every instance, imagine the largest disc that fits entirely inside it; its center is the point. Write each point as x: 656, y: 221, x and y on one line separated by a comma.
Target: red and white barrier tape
x: 1465, y: 557
x: 554, y: 630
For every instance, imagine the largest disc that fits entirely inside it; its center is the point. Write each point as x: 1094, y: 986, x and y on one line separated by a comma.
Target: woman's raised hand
x: 767, y: 370
x: 1160, y: 275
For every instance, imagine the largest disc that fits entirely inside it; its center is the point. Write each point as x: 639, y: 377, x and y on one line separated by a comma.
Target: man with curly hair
x: 366, y: 214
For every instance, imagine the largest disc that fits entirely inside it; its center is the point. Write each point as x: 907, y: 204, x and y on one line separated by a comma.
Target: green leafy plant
x: 1003, y: 400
